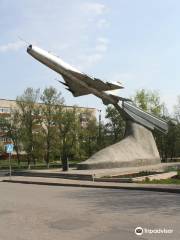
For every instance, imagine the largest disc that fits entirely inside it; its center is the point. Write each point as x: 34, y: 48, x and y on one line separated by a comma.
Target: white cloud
x: 103, y: 40
x: 101, y: 48
x: 102, y: 44
x: 102, y: 23
x: 95, y: 55
x: 11, y: 46
x: 89, y: 60
x: 95, y: 14
x: 96, y: 8
x: 93, y: 58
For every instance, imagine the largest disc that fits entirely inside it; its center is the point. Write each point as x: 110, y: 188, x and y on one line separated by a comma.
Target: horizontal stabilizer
x: 105, y: 86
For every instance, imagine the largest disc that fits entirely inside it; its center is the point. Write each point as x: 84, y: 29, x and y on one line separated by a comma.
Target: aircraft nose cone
x: 29, y: 48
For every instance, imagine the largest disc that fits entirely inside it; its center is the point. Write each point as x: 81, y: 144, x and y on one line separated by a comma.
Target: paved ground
x: 171, y: 188
x: 31, y: 212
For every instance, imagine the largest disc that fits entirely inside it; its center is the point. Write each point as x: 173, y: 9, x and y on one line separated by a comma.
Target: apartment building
x: 7, y: 106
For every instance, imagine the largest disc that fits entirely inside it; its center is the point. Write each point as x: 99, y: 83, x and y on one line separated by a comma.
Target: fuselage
x: 50, y: 60
x: 59, y: 66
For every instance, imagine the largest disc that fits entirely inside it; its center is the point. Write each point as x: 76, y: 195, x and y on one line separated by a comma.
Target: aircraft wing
x: 76, y: 90
x: 96, y: 83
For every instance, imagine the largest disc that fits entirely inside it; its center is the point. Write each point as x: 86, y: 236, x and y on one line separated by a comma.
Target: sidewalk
x: 171, y: 188
x: 94, y: 173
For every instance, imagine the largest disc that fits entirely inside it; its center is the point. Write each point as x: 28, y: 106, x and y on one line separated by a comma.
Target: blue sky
x: 136, y: 42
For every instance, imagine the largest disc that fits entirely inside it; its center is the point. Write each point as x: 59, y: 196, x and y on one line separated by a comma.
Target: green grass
x: 162, y: 181
x: 174, y: 180
x: 132, y: 175
x: 139, y: 174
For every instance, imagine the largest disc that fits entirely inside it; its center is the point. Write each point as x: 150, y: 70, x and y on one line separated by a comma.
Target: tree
x: 177, y: 128
x: 11, y: 127
x: 177, y: 109
x: 88, y: 134
x: 116, y: 125
x: 150, y: 101
x: 52, y: 102
x: 68, y: 127
x: 29, y: 118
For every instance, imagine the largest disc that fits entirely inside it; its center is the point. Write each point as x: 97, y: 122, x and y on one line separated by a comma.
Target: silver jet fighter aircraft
x: 77, y: 83
x: 80, y: 84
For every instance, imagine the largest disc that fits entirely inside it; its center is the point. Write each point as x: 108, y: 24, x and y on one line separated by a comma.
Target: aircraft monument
x: 138, y: 147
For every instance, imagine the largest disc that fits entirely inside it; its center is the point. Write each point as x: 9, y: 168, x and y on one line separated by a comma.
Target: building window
x: 5, y: 110
x: 5, y: 139
x: 83, y: 117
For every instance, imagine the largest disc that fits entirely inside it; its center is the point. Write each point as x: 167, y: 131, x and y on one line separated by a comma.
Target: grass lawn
x: 162, y: 181
x: 173, y: 180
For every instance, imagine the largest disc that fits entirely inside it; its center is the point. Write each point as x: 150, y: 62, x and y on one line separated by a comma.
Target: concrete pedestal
x: 137, y: 148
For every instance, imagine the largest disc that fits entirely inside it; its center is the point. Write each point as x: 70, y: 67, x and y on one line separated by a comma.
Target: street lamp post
x: 99, y: 137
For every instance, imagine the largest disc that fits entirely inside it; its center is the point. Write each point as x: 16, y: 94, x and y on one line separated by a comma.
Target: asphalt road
x: 33, y: 212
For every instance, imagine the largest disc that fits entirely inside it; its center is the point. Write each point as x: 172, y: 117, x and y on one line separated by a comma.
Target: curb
x: 141, y: 188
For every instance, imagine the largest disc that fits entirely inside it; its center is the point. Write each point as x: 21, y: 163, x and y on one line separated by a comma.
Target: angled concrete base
x: 137, y: 148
